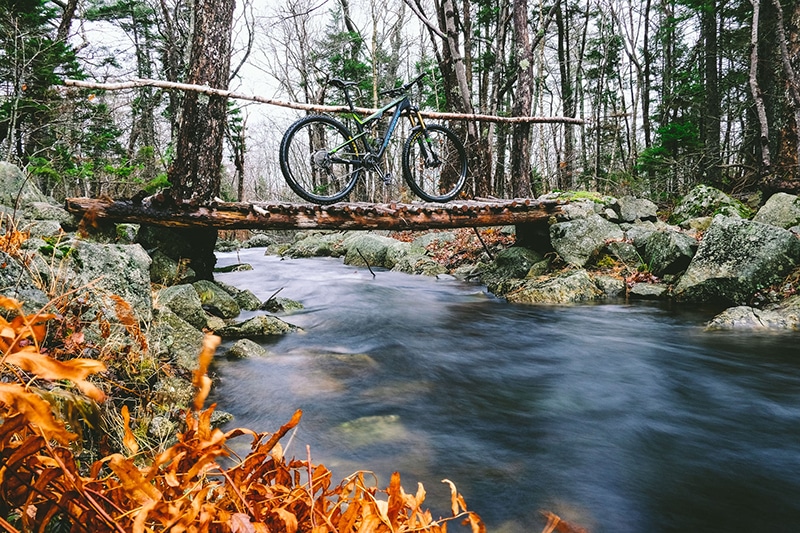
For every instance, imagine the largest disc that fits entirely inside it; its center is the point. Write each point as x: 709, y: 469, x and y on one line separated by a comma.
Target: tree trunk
x: 711, y: 120
x: 758, y: 97
x: 523, y: 101
x: 565, y: 167
x: 195, y: 173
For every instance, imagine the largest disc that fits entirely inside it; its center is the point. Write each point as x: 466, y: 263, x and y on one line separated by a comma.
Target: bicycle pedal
x: 387, y: 178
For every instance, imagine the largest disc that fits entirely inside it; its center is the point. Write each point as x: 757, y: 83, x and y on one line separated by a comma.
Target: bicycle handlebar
x: 396, y: 91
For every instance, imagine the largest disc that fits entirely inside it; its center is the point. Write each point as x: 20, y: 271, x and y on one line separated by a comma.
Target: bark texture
x: 195, y: 173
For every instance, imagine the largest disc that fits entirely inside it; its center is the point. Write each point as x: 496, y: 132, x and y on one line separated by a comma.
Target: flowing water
x: 618, y: 417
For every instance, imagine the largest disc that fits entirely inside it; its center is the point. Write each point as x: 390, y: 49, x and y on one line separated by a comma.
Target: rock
x: 648, y: 291
x: 696, y: 226
x: 215, y: 300
x: 515, y: 262
x: 184, y: 301
x: 48, y: 211
x: 577, y: 241
x: 626, y: 253
x: 44, y: 228
x: 15, y: 189
x: 782, y: 210
x: 244, y: 349
x: 258, y: 326
x: 638, y: 233
x: 117, y: 269
x: 735, y: 259
x: 167, y: 271
x: 280, y: 305
x: 175, y: 391
x: 418, y: 264
x: 17, y: 282
x: 633, y: 209
x: 367, y: 249
x: 668, y: 252
x: 162, y: 428
x: 244, y: 298
x: 259, y: 240
x: 316, y: 244
x: 227, y: 245
x: 708, y: 201
x: 436, y: 238
x: 127, y: 233
x: 238, y: 267
x: 610, y: 286
x: 192, y: 246
x: 397, y: 251
x: 746, y: 318
x: 178, y: 339
x: 572, y: 287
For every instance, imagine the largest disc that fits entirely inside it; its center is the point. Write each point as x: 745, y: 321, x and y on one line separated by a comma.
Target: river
x: 619, y: 417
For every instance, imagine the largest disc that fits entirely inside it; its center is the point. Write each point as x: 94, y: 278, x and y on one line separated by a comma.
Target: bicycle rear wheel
x: 434, y: 163
x: 319, y: 159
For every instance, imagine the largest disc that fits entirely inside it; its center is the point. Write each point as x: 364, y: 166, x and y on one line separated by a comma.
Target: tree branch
x: 210, y: 91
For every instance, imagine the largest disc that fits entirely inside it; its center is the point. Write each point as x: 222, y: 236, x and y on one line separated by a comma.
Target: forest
x: 667, y: 93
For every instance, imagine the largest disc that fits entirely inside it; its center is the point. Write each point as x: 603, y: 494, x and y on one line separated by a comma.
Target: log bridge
x: 523, y: 213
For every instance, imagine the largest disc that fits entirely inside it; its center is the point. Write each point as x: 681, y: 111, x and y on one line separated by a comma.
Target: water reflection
x: 619, y: 417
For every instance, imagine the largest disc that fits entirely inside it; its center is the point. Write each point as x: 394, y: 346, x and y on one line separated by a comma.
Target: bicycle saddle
x: 341, y: 84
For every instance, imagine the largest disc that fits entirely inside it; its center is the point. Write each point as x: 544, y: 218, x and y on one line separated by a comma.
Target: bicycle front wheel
x: 434, y: 163
x: 319, y: 159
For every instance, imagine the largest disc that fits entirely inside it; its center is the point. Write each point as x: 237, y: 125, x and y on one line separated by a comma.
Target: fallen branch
x: 204, y: 89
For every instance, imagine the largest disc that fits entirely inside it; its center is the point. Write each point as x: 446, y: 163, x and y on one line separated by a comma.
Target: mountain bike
x: 321, y: 159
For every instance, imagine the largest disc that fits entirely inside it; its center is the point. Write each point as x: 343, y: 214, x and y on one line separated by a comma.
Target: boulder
x: 215, y: 300
x: 626, y: 253
x: 418, y: 264
x: 280, y: 305
x: 668, y: 252
x: 782, y: 210
x: 184, y: 301
x: 17, y: 282
x: 48, y: 211
x: 708, y: 201
x: 259, y: 240
x: 611, y: 286
x: 632, y: 209
x: 258, y: 326
x: 16, y: 190
x: 571, y: 287
x: 116, y: 269
x: 577, y: 241
x: 515, y: 262
x: 735, y: 259
x: 648, y: 291
x: 745, y: 318
x: 176, y: 339
x: 316, y: 244
x: 44, y: 228
x: 165, y: 270
x: 244, y: 349
x: 244, y: 298
x: 367, y: 249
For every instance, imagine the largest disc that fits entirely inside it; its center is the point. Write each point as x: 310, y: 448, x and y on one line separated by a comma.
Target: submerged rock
x: 258, y: 326
x: 244, y: 349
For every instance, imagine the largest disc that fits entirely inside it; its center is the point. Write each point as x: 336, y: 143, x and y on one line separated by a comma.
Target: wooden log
x: 234, y: 215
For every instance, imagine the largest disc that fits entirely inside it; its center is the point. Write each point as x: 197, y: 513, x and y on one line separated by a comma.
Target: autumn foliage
x: 185, y: 487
